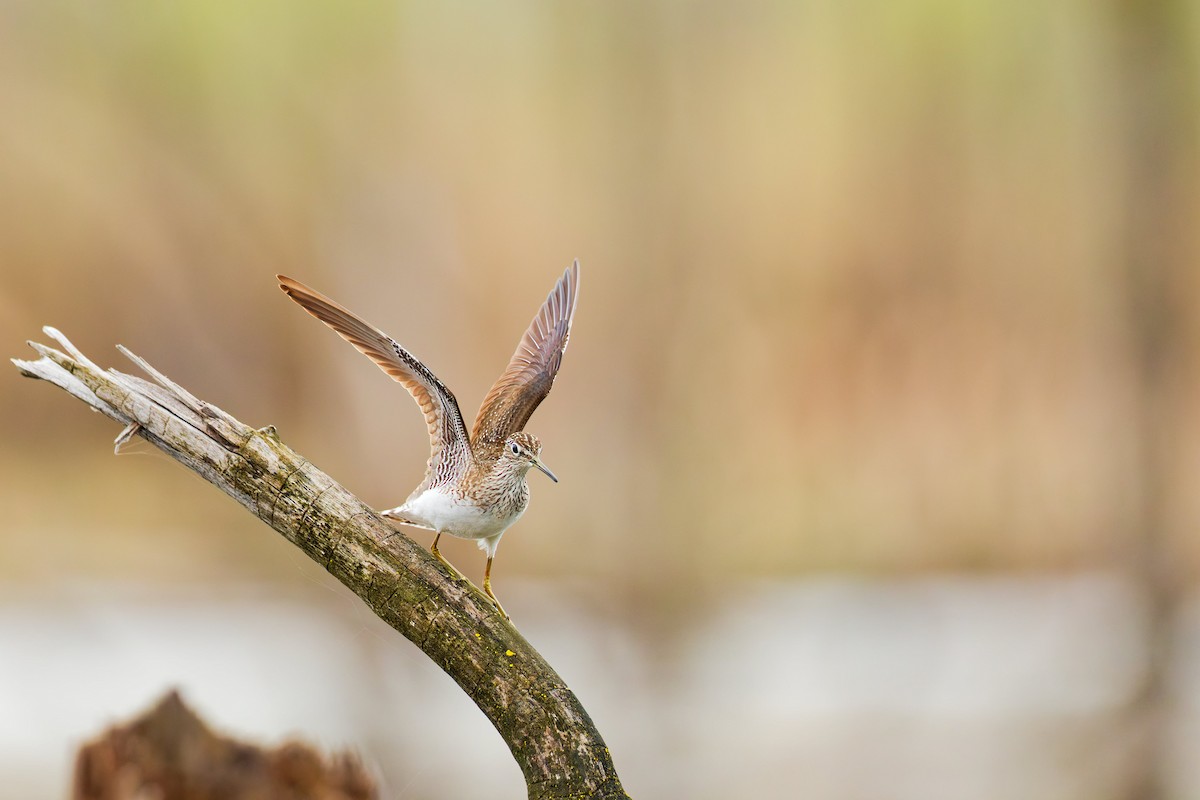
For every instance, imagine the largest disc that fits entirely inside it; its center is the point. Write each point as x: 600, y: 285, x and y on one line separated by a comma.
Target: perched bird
x: 474, y: 485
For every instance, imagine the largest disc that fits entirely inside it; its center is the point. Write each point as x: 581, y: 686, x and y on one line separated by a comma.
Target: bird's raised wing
x: 530, y: 374
x: 450, y: 450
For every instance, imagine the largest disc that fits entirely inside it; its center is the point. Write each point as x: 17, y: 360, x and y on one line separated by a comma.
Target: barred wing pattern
x: 530, y: 374
x: 450, y: 449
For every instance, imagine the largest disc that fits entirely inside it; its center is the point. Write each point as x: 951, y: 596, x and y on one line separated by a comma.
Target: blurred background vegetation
x: 887, y: 290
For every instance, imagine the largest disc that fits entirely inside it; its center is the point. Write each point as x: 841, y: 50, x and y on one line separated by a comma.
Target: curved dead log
x: 549, y: 733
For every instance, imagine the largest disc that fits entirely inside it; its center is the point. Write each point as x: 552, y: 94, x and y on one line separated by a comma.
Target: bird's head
x: 524, y: 450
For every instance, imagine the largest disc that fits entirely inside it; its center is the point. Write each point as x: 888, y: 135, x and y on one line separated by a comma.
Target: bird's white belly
x: 446, y: 513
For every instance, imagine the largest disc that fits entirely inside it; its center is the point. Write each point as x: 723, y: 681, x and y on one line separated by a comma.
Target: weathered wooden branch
x: 550, y: 735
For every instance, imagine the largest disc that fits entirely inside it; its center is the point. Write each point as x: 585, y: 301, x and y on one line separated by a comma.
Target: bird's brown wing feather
x: 450, y: 450
x: 530, y: 374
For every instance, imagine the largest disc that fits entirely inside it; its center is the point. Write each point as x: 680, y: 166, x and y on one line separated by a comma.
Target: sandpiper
x: 474, y: 485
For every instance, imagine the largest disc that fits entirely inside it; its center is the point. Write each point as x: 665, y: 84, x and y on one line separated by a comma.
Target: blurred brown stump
x: 168, y: 753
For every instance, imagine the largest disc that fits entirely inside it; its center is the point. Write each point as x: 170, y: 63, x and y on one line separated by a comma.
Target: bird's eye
x: 515, y: 448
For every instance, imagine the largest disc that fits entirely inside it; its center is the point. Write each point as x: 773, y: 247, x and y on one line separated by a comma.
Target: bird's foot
x: 454, y: 573
x: 487, y: 588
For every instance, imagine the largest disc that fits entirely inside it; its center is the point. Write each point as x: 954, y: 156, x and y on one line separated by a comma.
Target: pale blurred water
x: 947, y: 687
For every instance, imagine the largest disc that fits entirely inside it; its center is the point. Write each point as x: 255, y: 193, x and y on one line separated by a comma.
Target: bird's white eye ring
x: 516, y: 449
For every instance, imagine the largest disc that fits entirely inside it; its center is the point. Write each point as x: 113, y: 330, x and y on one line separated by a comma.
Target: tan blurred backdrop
x: 890, y: 290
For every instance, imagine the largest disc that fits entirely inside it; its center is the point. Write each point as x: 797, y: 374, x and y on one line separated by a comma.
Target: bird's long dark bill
x: 542, y: 467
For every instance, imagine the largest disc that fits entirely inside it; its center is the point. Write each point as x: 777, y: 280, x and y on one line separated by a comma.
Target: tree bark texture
x: 549, y: 733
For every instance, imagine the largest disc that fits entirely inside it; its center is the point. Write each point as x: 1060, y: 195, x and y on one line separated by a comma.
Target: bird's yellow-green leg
x: 487, y: 587
x: 438, y: 555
